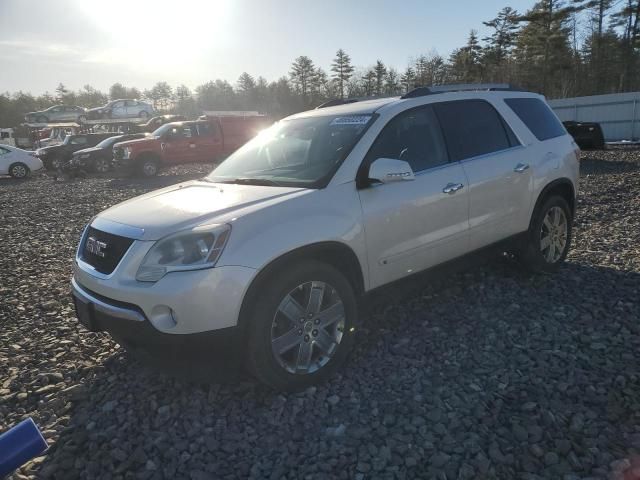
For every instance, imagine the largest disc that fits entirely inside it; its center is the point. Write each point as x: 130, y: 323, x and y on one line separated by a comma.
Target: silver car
x: 58, y: 113
x: 123, y: 109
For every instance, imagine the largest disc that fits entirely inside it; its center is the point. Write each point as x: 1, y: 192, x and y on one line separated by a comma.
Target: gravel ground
x: 487, y: 373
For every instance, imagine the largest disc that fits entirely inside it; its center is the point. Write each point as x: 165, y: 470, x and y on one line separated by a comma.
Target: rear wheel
x: 301, y: 328
x: 55, y: 163
x: 18, y: 170
x: 549, y: 236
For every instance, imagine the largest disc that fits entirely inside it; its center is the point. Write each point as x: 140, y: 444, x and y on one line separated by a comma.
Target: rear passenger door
x: 496, y: 165
x: 413, y: 225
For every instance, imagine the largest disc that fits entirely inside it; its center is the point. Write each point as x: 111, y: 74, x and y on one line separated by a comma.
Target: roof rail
x: 460, y: 87
x: 336, y: 101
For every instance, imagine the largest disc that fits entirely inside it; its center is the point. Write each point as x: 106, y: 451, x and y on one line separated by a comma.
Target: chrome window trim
x: 116, y: 228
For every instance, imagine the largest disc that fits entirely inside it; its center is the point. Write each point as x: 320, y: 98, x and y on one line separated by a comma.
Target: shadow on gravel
x: 596, y: 164
x: 133, y: 421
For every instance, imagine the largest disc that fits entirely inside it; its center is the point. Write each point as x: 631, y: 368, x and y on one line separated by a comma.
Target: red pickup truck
x: 205, y: 140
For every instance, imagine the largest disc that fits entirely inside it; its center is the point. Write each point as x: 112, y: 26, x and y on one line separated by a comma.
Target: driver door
x: 411, y: 225
x: 180, y: 145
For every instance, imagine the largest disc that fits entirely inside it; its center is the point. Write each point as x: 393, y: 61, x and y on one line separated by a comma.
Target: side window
x: 79, y: 141
x: 537, y: 116
x: 4, y: 151
x: 472, y: 128
x: 414, y: 136
x: 206, y: 129
x: 189, y: 131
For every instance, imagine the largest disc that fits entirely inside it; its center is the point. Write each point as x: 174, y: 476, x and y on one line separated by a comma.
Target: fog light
x: 163, y: 317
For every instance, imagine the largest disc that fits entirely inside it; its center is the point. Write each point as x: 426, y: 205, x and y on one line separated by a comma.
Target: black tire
x: 19, y: 170
x: 265, y: 317
x: 101, y: 165
x: 148, y: 167
x: 534, y: 255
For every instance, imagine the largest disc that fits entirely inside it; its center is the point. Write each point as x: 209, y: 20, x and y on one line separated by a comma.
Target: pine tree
x: 408, y: 79
x: 380, y: 72
x: 342, y: 71
x: 499, y: 44
x: 302, y: 75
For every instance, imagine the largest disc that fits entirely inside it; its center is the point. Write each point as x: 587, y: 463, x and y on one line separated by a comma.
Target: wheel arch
x: 561, y: 186
x: 337, y: 254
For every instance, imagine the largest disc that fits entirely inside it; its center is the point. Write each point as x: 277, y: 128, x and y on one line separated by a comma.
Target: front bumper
x: 128, y: 325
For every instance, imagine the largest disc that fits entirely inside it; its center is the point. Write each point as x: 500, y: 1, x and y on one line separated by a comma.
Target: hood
x: 127, y: 143
x: 87, y: 150
x: 191, y: 204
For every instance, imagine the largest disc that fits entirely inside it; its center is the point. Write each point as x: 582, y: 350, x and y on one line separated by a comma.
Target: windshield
x: 299, y: 152
x: 108, y: 142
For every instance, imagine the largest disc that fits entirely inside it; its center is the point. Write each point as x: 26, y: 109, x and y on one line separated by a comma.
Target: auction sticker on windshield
x: 351, y: 120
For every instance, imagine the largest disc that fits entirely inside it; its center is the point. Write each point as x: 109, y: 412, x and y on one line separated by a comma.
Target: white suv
x: 267, y: 256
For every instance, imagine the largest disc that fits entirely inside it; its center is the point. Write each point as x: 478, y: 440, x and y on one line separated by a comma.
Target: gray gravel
x: 487, y: 373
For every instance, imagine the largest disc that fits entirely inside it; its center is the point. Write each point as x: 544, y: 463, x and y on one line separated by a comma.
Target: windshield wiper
x: 253, y: 181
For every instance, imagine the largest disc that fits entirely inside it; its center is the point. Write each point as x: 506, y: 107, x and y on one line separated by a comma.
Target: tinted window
x: 537, y: 116
x: 414, y: 136
x: 78, y: 141
x: 205, y: 129
x: 472, y: 128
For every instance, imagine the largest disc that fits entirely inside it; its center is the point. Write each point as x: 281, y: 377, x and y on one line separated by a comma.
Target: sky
x: 141, y: 42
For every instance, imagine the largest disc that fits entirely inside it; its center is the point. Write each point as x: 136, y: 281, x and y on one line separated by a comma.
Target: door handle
x: 521, y: 167
x: 452, y: 188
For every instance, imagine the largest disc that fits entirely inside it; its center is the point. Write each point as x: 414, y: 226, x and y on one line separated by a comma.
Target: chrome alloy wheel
x: 307, y: 327
x: 18, y: 171
x: 553, y: 235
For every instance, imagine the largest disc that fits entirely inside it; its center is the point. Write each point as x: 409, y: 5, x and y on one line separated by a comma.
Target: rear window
x: 472, y: 128
x: 537, y: 116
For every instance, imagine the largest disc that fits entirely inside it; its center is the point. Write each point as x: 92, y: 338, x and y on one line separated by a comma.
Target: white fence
x: 617, y: 113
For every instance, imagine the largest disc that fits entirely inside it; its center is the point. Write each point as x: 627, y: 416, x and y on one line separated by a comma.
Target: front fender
x: 265, y: 234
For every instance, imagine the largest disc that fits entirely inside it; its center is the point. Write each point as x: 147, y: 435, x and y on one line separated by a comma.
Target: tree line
x: 560, y: 48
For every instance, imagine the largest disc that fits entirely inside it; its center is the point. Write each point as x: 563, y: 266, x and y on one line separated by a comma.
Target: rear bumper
x: 129, y: 326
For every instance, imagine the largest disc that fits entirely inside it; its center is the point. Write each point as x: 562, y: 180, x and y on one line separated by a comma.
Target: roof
x: 356, y: 108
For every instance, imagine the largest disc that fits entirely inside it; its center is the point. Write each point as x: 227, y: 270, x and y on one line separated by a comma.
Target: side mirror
x: 388, y: 170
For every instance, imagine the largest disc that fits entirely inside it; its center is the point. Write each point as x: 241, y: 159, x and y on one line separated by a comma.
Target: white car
x: 17, y: 162
x: 268, y: 255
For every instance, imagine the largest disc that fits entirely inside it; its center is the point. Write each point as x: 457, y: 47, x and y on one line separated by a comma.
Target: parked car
x: 268, y: 255
x: 54, y: 156
x: 58, y: 113
x: 17, y: 162
x: 195, y: 141
x: 158, y: 121
x: 122, y: 109
x: 100, y: 158
x: 586, y: 134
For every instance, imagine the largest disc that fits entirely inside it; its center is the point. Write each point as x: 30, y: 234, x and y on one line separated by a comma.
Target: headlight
x: 191, y: 250
x: 39, y: 152
x: 126, y: 152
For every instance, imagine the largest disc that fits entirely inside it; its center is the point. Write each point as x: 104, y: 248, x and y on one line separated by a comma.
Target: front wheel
x: 302, y: 326
x: 549, y: 236
x: 101, y: 165
x: 148, y: 167
x: 18, y: 170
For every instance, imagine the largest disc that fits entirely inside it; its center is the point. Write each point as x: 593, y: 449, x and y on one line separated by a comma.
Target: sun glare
x: 158, y: 34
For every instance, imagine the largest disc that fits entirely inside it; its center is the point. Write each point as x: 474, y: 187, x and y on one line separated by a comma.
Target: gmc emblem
x: 96, y: 246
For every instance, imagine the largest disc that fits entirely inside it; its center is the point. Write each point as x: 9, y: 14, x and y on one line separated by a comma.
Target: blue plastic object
x: 19, y: 445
